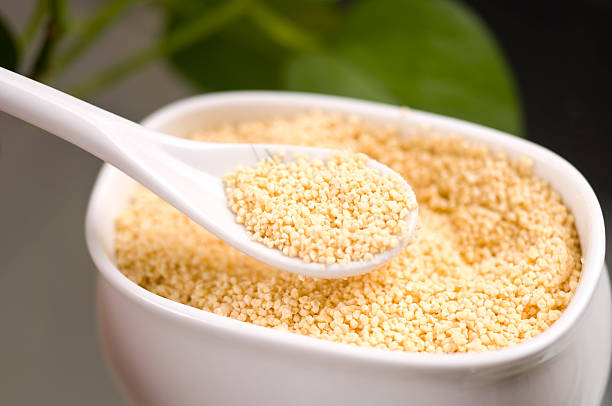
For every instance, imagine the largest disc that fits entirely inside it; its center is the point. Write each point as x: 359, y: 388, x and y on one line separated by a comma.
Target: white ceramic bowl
x: 165, y: 353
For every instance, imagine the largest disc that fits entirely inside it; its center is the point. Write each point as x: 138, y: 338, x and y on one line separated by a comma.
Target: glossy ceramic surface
x: 162, y: 352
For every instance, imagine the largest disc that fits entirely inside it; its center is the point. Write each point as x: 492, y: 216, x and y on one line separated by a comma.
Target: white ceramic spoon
x: 187, y: 174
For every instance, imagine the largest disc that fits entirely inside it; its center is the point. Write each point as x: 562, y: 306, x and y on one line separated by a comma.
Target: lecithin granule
x: 495, y: 261
x: 340, y: 210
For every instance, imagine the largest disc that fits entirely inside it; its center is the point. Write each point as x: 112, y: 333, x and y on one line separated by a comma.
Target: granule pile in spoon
x: 335, y: 211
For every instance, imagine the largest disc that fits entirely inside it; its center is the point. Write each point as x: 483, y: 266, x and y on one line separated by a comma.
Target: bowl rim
x: 539, y: 348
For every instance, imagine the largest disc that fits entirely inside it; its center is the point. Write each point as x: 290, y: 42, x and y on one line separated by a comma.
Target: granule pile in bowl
x: 339, y: 210
x: 494, y: 262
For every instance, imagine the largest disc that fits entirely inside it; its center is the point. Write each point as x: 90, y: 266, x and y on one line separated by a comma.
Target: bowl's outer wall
x: 160, y: 359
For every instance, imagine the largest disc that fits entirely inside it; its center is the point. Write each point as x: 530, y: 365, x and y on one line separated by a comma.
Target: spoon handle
x: 65, y: 116
x: 147, y: 157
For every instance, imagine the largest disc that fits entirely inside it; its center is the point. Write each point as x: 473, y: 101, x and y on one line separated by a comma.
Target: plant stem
x: 33, y: 23
x: 282, y: 30
x: 198, y: 28
x: 54, y: 30
x: 89, y: 31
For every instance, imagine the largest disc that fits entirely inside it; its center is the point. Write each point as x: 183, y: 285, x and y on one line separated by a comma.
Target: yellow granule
x: 340, y: 210
x: 495, y: 261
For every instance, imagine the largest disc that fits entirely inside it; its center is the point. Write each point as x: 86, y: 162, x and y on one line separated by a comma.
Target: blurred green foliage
x: 252, y: 51
x: 8, y: 47
x: 434, y: 55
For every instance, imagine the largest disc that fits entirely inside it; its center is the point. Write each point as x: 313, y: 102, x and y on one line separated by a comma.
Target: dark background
x: 560, y: 54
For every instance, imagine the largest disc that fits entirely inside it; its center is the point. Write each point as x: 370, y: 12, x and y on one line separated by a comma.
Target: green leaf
x: 320, y: 73
x: 433, y: 55
x: 237, y: 58
x: 243, y: 55
x: 8, y: 47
